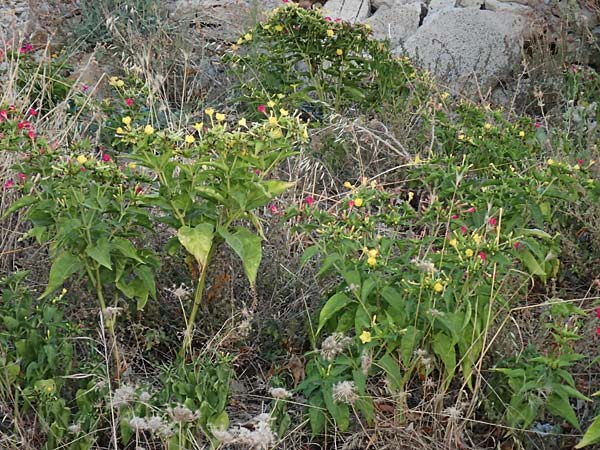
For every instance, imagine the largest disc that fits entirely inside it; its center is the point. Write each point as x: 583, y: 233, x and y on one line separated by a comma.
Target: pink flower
x: 471, y: 209
x: 493, y: 222
x: 285, y: 1
x: 23, y: 124
x: 538, y: 124
x: 261, y: 108
x: 31, y: 135
x: 105, y: 157
x: 598, y: 313
x: 483, y: 256
x: 129, y: 101
x: 580, y: 161
x: 257, y: 172
x: 33, y: 112
x: 9, y: 184
x: 3, y: 115
x: 351, y: 204
x: 138, y: 190
x: 82, y: 169
x: 338, y: 20
x: 463, y: 229
x: 84, y: 88
x: 309, y: 200
x: 517, y: 245
x: 327, y: 19
x: 454, y: 216
x: 21, y: 176
x: 273, y: 209
x: 26, y: 48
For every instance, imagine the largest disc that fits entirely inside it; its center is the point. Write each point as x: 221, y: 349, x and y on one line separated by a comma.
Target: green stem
x: 187, y: 338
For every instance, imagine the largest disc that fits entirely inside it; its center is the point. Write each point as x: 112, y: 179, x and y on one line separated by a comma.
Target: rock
x: 470, y: 3
x: 512, y: 7
x: 439, y: 5
x: 376, y: 4
x: 348, y: 10
x: 395, y: 23
x: 460, y: 43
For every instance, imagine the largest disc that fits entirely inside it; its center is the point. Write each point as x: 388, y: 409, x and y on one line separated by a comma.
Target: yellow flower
x: 521, y: 134
x: 220, y: 117
x: 347, y: 185
x: 576, y: 167
x: 242, y: 122
x: 81, y: 159
x: 126, y: 120
x: 278, y: 28
x: 64, y: 291
x: 461, y: 137
x: 248, y: 36
x: 339, y: 52
x: 453, y: 242
x: 132, y: 165
x: 272, y: 120
x: 373, y: 253
x: 411, y: 195
x: 266, y: 26
x: 120, y: 130
x: 445, y: 95
x: 365, y: 337
x: 209, y: 112
x: 438, y: 287
x: 235, y: 47
x: 284, y: 112
x: 280, y: 96
x: 190, y: 139
x: 305, y: 133
x: 487, y: 126
x: 120, y: 83
x: 551, y: 162
x: 358, y: 202
x: 476, y: 238
x: 271, y: 104
x: 113, y: 81
x: 148, y: 130
x: 468, y: 252
x: 371, y: 261
x: 240, y: 41
x: 418, y: 159
x: 330, y: 33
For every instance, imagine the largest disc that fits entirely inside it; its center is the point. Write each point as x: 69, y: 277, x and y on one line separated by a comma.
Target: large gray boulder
x: 395, y: 23
x: 468, y: 48
x: 348, y: 10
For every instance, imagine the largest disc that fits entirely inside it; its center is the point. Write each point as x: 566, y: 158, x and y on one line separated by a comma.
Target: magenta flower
x: 351, y: 204
x: 105, y: 157
x: 463, y: 229
x: 9, y: 184
x: 33, y: 112
x: 31, y: 134
x: 454, y: 216
x: 580, y: 161
x: 273, y: 209
x: 493, y: 222
x: 338, y: 20
x: 471, y: 209
x: 261, y: 108
x: 129, y: 101
x: 598, y: 313
x: 483, y: 256
x: 138, y: 190
x: 26, y: 48
x: 538, y: 124
x: 84, y: 88
x: 598, y: 331
x: 3, y: 115
x: 327, y: 19
x: 309, y: 200
x: 23, y: 124
x: 517, y: 245
x: 21, y: 176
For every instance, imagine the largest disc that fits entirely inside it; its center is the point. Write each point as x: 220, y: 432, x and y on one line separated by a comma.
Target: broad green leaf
x: 197, y: 241
x: 63, y: 267
x: 392, y: 369
x: 22, y: 202
x: 100, y: 253
x: 247, y: 246
x: 443, y: 346
x: 308, y: 254
x: 126, y: 248
x: 560, y: 407
x: 408, y: 343
x: 592, y: 434
x: 277, y: 187
x: 332, y: 306
x: 531, y: 263
x: 219, y: 421
x: 316, y: 414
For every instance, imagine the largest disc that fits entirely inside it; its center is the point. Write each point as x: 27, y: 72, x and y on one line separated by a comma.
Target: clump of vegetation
x: 136, y: 330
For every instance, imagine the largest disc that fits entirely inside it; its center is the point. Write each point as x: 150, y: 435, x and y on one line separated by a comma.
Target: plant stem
x: 187, y: 337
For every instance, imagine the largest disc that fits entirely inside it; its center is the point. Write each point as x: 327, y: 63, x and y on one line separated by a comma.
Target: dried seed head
x: 334, y: 345
x: 345, y: 392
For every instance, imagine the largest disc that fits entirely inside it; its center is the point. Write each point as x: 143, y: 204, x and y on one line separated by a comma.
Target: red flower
x: 493, y: 222
x: 517, y: 245
x: 338, y: 20
x: 129, y: 101
x: 33, y: 112
x: 21, y: 176
x: 483, y: 256
x: 471, y: 209
x: 261, y: 108
x: 26, y: 48
x: 273, y: 209
x: 3, y: 115
x: 31, y: 135
x: 580, y: 161
x: 454, y: 216
x: 84, y: 88
x: 23, y: 124
x: 463, y: 229
x: 105, y: 157
x: 257, y: 172
x: 327, y: 19
x: 598, y: 331
x: 598, y: 313
x: 9, y: 184
x: 309, y: 200
x: 538, y: 124
x: 138, y: 190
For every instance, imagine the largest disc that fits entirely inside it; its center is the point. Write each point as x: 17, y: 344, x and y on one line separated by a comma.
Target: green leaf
x: 219, y: 421
x: 592, y: 434
x: 443, y: 346
x: 276, y: 187
x: 145, y: 274
x: 560, y: 407
x: 100, y: 253
x: 408, y: 343
x: 308, y: 254
x: 197, y: 241
x: 316, y: 414
x: 22, y: 202
x: 63, y: 267
x: 531, y: 263
x: 392, y: 369
x: 247, y: 246
x: 333, y: 305
x: 126, y: 248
